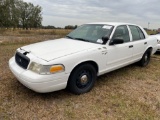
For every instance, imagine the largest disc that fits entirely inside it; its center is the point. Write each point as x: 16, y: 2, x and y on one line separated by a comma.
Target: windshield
x: 91, y: 32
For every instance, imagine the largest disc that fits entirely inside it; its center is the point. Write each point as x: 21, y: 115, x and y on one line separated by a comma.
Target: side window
x: 121, y: 32
x: 141, y: 33
x: 137, y: 33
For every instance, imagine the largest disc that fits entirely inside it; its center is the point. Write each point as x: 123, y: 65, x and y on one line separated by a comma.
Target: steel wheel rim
x: 83, y: 79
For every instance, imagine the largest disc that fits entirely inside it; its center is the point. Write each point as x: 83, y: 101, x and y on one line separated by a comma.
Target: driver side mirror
x: 117, y: 41
x: 105, y: 39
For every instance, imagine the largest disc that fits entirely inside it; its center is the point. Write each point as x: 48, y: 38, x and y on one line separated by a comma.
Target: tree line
x: 20, y: 14
x: 66, y: 27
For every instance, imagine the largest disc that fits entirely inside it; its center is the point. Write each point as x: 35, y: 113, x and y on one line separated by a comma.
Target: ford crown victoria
x: 74, y: 62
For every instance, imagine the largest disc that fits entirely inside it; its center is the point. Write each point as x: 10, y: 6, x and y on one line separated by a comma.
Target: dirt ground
x: 130, y: 93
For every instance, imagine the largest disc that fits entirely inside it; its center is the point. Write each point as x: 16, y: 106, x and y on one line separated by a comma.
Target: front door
x: 120, y: 55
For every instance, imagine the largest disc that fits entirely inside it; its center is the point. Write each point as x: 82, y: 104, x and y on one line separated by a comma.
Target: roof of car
x: 112, y: 23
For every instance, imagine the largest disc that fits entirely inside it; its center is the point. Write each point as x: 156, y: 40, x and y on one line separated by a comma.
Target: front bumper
x: 36, y: 82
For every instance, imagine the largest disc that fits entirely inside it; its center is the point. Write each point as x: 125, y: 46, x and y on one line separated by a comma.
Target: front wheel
x: 145, y: 59
x: 82, y: 79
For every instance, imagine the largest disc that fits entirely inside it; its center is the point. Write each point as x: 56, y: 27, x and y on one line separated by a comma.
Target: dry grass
x: 19, y: 36
x: 151, y: 32
x: 21, y: 32
x: 131, y: 93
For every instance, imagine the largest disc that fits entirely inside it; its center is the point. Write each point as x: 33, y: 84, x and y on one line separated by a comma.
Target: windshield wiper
x: 69, y: 37
x: 82, y: 39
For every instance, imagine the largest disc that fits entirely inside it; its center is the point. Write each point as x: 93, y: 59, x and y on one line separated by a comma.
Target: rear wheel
x: 146, y: 58
x: 82, y: 79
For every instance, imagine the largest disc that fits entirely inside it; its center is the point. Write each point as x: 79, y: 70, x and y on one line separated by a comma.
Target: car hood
x: 53, y: 49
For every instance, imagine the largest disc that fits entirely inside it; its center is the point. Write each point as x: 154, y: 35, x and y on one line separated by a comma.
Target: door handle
x: 131, y: 46
x: 145, y: 43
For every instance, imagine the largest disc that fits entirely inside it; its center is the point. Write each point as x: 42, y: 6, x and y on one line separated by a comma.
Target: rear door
x: 139, y: 42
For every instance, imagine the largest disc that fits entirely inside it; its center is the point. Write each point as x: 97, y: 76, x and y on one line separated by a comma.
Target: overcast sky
x: 76, y: 12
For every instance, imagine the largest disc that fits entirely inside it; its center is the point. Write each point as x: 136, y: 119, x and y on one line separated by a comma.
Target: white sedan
x: 76, y: 60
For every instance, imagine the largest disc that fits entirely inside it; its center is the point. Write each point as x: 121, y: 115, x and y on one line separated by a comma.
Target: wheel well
x: 150, y: 49
x: 88, y: 62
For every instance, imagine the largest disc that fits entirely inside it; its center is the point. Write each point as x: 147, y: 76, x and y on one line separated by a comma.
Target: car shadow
x: 157, y: 53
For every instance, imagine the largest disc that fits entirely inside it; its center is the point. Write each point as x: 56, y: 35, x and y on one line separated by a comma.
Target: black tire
x: 82, y: 79
x: 146, y: 58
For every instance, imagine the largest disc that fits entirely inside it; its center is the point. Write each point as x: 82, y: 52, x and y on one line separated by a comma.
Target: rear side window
x: 137, y: 33
x: 141, y: 33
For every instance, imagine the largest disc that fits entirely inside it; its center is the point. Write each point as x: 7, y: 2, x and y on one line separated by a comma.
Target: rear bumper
x: 36, y: 82
x: 158, y: 47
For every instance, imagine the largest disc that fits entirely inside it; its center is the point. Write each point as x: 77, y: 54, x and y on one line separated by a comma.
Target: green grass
x: 129, y: 93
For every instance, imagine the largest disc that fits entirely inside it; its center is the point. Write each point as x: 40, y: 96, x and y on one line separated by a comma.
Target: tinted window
x: 137, y: 33
x: 121, y: 32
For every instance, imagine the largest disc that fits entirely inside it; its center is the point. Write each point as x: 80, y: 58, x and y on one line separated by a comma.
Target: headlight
x: 45, y: 69
x: 158, y: 41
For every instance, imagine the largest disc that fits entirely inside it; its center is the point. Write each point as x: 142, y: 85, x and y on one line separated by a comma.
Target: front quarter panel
x: 96, y: 55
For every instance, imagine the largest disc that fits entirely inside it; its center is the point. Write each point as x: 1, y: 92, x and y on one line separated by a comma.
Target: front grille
x: 22, y: 60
